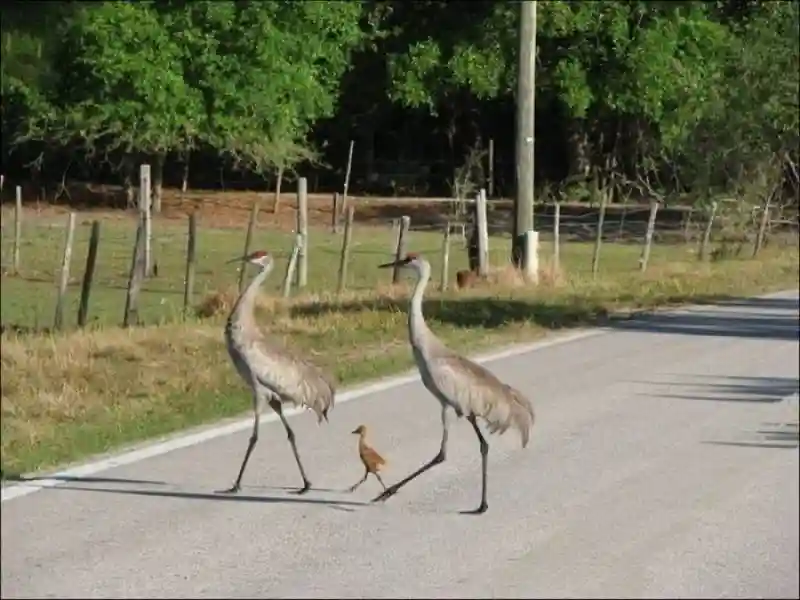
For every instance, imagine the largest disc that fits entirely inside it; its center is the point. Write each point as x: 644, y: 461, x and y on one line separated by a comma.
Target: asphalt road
x: 664, y: 463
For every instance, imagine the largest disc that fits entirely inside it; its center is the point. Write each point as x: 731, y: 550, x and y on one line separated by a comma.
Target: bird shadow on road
x: 67, y: 478
x: 335, y: 504
x: 731, y: 389
x: 787, y: 438
x: 757, y: 444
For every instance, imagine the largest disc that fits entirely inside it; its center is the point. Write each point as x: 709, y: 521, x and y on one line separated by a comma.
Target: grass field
x: 76, y: 393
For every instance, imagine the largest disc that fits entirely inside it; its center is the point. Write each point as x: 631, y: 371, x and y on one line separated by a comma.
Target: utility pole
x: 526, y: 84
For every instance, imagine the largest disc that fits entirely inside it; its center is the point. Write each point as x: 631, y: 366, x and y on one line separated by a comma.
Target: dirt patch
x: 231, y: 209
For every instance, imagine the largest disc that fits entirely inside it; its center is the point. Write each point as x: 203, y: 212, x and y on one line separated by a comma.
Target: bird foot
x: 302, y: 490
x: 386, y: 494
x: 231, y: 490
x: 476, y: 511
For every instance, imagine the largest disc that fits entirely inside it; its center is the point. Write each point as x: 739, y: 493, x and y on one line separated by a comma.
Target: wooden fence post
x: 345, y: 256
x: 395, y: 235
x: 598, y: 240
x: 400, y: 251
x: 347, y: 175
x: 17, y: 229
x: 292, y: 266
x: 88, y: 274
x: 302, y: 229
x: 557, y: 236
x: 135, y: 278
x: 248, y: 239
x: 145, y: 208
x: 335, y: 213
x: 191, y: 258
x: 483, y: 235
x: 58, y: 321
x: 648, y: 237
x: 445, y: 256
x: 707, y: 233
x: 762, y: 225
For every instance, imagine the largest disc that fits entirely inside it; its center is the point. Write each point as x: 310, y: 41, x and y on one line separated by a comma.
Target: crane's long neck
x: 418, y: 331
x: 245, y: 304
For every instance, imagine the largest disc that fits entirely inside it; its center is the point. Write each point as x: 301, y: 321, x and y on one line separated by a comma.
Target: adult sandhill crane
x: 275, y: 375
x: 372, y: 461
x: 469, y: 389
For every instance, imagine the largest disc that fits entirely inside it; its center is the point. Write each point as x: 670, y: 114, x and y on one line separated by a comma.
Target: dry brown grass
x: 70, y: 395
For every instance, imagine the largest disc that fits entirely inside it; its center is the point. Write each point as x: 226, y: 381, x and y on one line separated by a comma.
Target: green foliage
x: 700, y: 94
x: 247, y: 78
x: 266, y: 71
x: 445, y: 48
x: 751, y: 129
x: 122, y: 87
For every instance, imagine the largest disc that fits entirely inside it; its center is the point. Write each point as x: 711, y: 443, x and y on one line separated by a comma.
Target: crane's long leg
x: 380, y: 480
x: 484, y: 459
x: 250, y: 445
x: 276, y: 406
x: 438, y: 459
x: 354, y: 487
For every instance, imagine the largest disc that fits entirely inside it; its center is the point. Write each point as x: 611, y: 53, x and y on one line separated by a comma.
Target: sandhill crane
x: 460, y: 384
x: 372, y: 461
x: 274, y: 374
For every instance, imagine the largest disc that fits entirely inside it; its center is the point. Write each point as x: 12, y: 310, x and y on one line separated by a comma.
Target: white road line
x: 184, y: 440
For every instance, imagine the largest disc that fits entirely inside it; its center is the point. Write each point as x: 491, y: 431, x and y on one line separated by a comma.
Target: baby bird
x: 373, y: 462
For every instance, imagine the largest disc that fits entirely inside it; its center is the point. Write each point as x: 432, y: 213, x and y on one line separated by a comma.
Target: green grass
x: 77, y: 393
x: 29, y: 298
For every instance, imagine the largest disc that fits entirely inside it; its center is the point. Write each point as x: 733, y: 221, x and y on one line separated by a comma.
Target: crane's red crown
x: 411, y: 256
x: 258, y: 254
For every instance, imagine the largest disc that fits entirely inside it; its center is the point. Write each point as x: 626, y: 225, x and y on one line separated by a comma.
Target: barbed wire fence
x: 95, y: 286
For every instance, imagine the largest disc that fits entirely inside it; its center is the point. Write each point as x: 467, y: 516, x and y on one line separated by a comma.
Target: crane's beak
x: 354, y: 431
x: 394, y: 263
x: 237, y: 259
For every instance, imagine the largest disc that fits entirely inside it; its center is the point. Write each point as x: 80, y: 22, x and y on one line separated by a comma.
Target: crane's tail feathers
x: 517, y: 412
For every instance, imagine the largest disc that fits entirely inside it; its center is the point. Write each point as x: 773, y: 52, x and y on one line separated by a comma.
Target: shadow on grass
x: 755, y: 322
x: 488, y: 313
x: 299, y: 500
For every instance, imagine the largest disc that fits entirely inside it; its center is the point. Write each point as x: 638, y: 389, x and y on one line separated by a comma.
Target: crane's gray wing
x: 293, y: 378
x: 478, y: 391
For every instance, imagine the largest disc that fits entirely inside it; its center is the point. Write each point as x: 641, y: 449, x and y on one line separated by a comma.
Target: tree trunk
x: 127, y: 182
x: 185, y: 180
x: 278, y: 183
x: 579, y: 150
x: 158, y: 181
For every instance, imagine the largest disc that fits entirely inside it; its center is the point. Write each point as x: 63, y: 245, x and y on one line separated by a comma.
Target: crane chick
x: 372, y: 461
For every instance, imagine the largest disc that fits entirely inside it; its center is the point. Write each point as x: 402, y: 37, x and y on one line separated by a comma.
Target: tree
x: 266, y: 72
x: 121, y: 91
x: 249, y: 79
